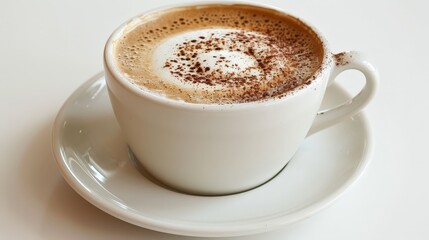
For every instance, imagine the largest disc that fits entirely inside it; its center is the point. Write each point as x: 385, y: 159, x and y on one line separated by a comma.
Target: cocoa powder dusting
x: 284, y: 54
x: 340, y: 59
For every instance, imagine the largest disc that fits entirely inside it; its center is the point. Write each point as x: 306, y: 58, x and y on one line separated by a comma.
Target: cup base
x: 143, y: 171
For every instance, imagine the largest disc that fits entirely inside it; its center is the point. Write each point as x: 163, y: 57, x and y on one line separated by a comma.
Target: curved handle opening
x: 345, y: 61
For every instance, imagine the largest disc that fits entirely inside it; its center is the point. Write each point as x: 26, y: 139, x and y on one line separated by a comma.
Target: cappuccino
x: 218, y: 54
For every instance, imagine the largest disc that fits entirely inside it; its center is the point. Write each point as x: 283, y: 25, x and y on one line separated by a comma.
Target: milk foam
x: 221, y: 62
x: 218, y: 54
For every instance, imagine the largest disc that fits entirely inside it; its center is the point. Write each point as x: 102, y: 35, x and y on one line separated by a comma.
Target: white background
x: 49, y: 48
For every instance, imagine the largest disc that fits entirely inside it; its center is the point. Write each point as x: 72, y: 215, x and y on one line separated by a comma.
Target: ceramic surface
x: 94, y: 159
x: 217, y: 149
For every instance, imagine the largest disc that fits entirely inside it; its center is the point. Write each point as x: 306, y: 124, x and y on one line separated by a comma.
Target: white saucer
x: 94, y: 159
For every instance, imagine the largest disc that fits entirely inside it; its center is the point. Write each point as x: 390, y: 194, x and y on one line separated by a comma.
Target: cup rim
x: 153, y: 97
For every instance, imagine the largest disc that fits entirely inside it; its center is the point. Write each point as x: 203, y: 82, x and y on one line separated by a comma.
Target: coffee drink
x: 223, y: 89
x: 218, y: 54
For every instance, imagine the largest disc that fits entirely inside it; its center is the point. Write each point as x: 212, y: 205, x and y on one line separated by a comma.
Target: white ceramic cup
x: 214, y: 149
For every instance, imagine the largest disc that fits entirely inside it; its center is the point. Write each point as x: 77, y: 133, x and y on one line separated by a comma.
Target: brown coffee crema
x: 219, y: 54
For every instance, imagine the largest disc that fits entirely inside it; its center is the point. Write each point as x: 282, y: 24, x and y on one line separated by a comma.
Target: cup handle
x: 344, y: 61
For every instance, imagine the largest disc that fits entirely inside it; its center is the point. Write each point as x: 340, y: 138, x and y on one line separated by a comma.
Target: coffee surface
x: 218, y: 54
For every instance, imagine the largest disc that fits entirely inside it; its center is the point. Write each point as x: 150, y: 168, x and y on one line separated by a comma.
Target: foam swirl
x: 220, y: 58
x: 219, y: 54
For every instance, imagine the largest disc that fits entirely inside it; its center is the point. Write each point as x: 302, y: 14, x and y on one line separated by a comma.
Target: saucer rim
x: 191, y: 228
